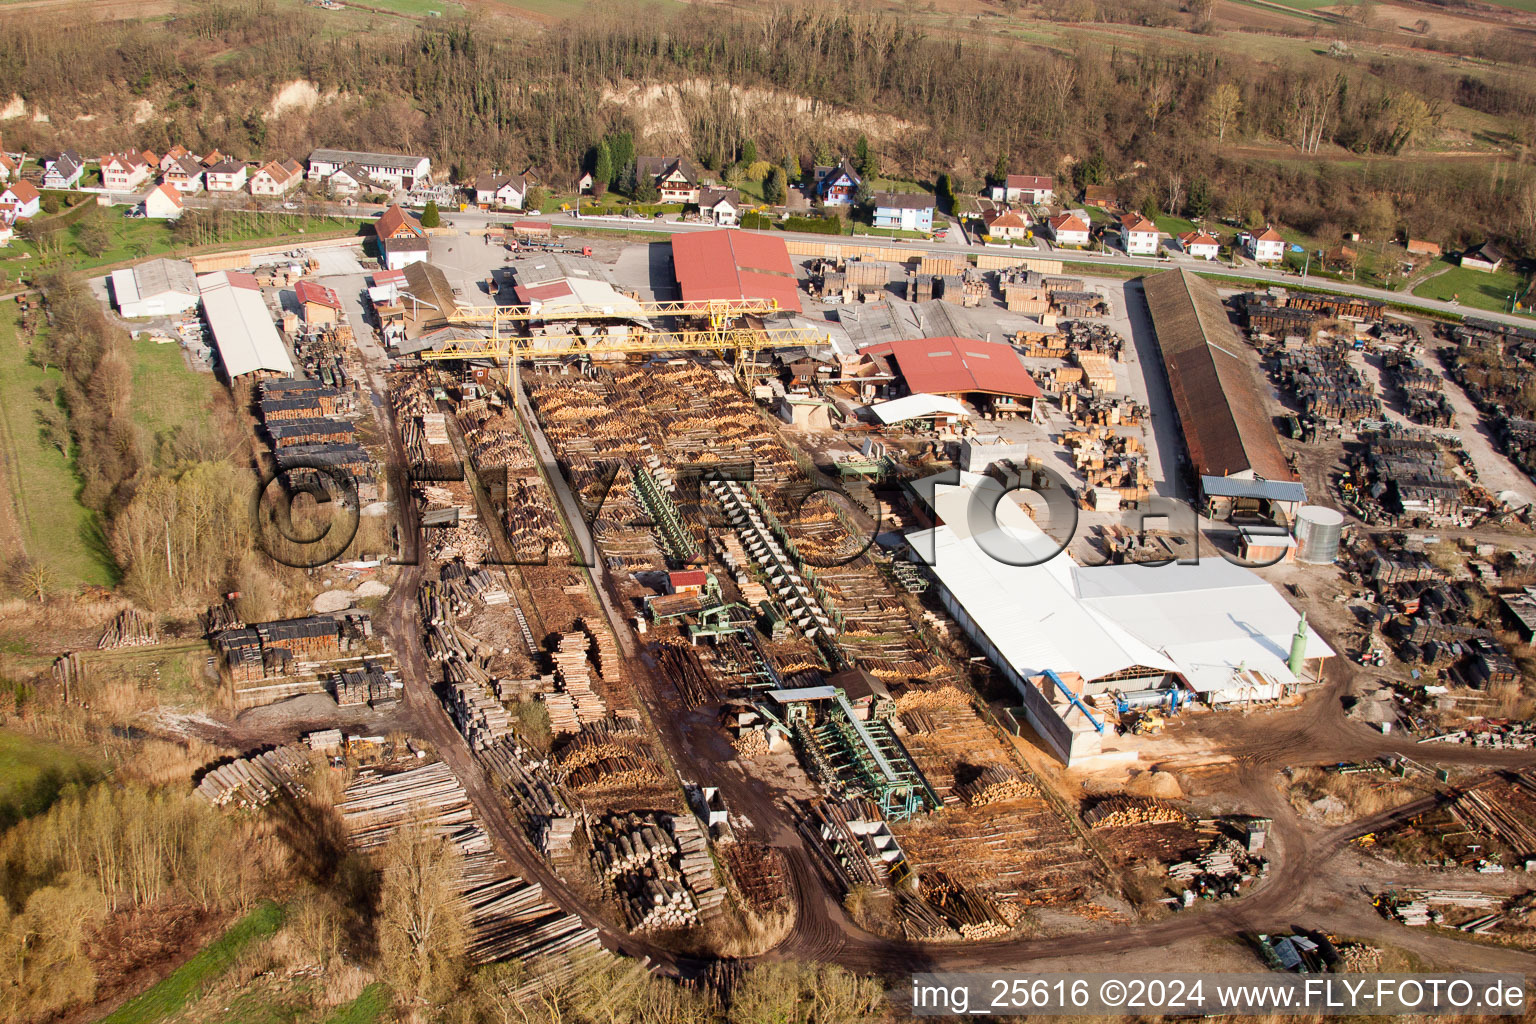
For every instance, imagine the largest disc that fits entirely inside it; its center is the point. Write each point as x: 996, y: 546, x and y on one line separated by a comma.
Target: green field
x: 166, y: 394
x: 34, y: 772
x: 189, y: 980
x: 135, y: 239
x: 1473, y: 288
x: 366, y: 1008
x: 415, y: 8
x: 39, y: 479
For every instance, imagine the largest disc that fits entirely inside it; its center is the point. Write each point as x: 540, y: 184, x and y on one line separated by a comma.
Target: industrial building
x: 553, y: 283
x: 1216, y: 400
x: 987, y: 374
x: 734, y: 265
x: 1211, y: 628
x: 242, y: 327
x: 155, y: 288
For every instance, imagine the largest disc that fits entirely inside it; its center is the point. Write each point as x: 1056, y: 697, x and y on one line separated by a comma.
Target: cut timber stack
x: 1122, y: 812
x: 130, y: 628
x: 480, y: 717
x: 573, y: 669
x: 254, y: 781
x: 995, y: 784
x: 695, y: 863
x: 605, y: 652
x: 376, y: 804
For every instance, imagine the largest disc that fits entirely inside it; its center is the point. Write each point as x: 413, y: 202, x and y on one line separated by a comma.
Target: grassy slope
x: 32, y: 773
x: 165, y: 393
x: 1473, y: 288
x: 192, y: 977
x: 41, y: 482
x: 139, y: 239
x: 365, y: 1009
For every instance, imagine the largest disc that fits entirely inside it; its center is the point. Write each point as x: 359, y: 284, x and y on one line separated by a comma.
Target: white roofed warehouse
x: 1213, y: 629
x: 241, y: 324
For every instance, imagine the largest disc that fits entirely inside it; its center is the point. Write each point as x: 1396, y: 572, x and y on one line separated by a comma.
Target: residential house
x: 62, y: 170
x: 720, y: 206
x: 1025, y: 188
x: 1486, y: 257
x: 276, y: 178
x: 351, y: 179
x: 1069, y: 229
x: 185, y: 175
x: 907, y: 211
x: 173, y: 156
x: 398, y: 223
x: 508, y: 191
x: 24, y: 196
x: 124, y: 172
x: 163, y: 202
x: 584, y: 183
x: 318, y: 305
x: 399, y: 253
x: 8, y: 168
x: 394, y: 170
x: 226, y: 176
x: 676, y: 178
x: 1105, y: 197
x: 1267, y: 246
x: 836, y: 185
x: 1138, y: 235
x: 1199, y: 245
x: 7, y: 220
x: 213, y: 158
x: 1418, y: 247
x: 1006, y: 224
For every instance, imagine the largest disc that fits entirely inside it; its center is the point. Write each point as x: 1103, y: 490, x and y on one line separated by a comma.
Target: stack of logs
x: 996, y: 783
x: 1123, y: 812
x: 129, y: 628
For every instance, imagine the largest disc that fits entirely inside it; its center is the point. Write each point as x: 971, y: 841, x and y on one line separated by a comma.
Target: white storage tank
x: 1317, y: 534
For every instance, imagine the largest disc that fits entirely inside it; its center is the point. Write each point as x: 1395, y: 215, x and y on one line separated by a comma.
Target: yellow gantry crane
x: 726, y: 331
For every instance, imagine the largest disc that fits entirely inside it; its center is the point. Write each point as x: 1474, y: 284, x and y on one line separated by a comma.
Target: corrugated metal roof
x: 920, y: 406
x: 956, y: 366
x: 1220, y: 408
x: 734, y: 265
x: 1273, y: 490
x: 242, y: 326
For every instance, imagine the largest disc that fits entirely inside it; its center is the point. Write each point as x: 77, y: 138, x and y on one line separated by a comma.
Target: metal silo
x: 1317, y: 534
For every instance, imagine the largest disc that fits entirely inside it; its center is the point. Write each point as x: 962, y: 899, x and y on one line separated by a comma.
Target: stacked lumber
x: 528, y: 781
x: 253, y: 782
x: 573, y: 670
x: 1476, y: 811
x: 605, y: 652
x: 1124, y: 812
x: 920, y: 922
x: 918, y: 721
x: 970, y: 913
x: 996, y: 783
x: 626, y: 770
x: 697, y: 868
x: 129, y: 628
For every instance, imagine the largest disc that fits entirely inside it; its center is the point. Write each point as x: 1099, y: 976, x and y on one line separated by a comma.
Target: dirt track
x: 1302, y: 889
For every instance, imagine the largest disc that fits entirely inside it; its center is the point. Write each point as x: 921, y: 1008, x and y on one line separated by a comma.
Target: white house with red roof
x: 162, y: 202
x: 1199, y: 245
x: 1138, y: 235
x: 1069, y: 229
x: 1267, y: 246
x: 124, y: 172
x: 1026, y: 188
x: 24, y: 196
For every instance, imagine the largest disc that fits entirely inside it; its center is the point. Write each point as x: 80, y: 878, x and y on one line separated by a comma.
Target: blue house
x: 908, y: 211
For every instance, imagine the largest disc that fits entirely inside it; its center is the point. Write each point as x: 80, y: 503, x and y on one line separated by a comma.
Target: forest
x: 474, y: 97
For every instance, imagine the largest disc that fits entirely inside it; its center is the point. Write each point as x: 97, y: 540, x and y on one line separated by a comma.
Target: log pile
x: 480, y: 717
x: 527, y: 780
x: 950, y: 697
x: 377, y: 803
x: 694, y: 862
x: 129, y: 628
x: 1476, y: 811
x: 577, y: 705
x: 253, y: 782
x: 759, y: 872
x: 996, y: 783
x: 1124, y: 812
x: 970, y: 913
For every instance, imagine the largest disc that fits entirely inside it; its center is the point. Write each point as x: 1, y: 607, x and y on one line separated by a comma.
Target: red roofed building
x: 320, y: 306
x: 982, y: 372
x: 734, y: 265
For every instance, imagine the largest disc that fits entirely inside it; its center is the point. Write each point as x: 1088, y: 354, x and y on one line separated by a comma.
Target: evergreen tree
x: 861, y: 155
x: 1198, y: 205
x: 792, y: 168
x: 776, y: 187
x: 602, y: 169
x: 749, y: 152
x: 1000, y: 170
x: 430, y: 217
